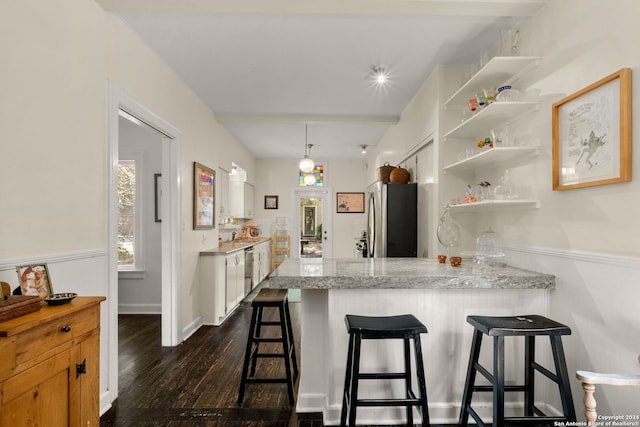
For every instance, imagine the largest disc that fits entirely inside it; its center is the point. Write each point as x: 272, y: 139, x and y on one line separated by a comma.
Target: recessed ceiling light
x: 380, y: 74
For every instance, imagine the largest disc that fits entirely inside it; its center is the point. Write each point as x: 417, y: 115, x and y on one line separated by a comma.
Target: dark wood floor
x: 196, y: 383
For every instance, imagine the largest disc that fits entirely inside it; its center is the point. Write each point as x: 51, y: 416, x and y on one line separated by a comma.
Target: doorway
x: 310, y: 227
x: 171, y: 218
x: 312, y: 223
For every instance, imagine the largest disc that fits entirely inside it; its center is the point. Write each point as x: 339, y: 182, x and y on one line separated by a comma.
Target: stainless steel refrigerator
x: 392, y: 220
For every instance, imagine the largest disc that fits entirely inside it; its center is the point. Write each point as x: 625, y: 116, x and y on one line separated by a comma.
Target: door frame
x: 171, y: 203
x: 326, y: 195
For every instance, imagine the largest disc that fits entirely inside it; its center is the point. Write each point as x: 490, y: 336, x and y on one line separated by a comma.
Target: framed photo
x: 592, y: 134
x: 34, y: 279
x: 157, y: 188
x: 271, y: 202
x: 350, y: 202
x: 204, y: 197
x: 309, y: 219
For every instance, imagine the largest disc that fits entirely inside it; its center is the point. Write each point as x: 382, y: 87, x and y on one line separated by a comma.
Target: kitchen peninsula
x: 441, y: 296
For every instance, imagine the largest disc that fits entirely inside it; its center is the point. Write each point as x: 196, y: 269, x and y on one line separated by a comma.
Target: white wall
x: 58, y: 59
x: 280, y: 177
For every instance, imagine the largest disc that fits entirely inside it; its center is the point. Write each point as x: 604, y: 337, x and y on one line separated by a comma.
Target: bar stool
x: 276, y: 298
x: 405, y: 327
x: 529, y: 327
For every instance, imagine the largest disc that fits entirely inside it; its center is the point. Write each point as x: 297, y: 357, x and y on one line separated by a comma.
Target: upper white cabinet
x: 241, y: 196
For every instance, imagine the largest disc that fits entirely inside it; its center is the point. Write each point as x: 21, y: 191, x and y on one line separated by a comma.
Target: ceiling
x: 273, y: 70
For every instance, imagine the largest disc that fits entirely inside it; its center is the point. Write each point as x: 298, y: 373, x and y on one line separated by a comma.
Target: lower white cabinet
x: 261, y: 262
x: 221, y: 285
x: 234, y: 287
x: 222, y: 280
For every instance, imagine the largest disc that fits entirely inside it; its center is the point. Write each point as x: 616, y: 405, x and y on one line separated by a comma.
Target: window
x: 129, y: 235
x: 318, y: 173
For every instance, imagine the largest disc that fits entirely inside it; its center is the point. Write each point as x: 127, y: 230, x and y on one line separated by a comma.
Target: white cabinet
x: 498, y: 71
x: 234, y: 286
x: 223, y: 199
x: 241, y: 195
x: 221, y: 285
x: 261, y: 262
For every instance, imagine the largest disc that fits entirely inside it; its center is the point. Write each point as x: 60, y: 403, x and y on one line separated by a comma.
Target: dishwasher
x: 248, y: 270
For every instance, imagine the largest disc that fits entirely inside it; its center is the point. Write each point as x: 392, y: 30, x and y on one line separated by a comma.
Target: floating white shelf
x: 499, y: 71
x: 489, y: 158
x: 494, y: 115
x: 486, y: 204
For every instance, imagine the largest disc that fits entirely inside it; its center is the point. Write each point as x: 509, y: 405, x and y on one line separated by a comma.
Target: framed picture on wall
x: 204, y: 197
x: 592, y: 134
x: 271, y: 202
x: 350, y: 202
x: 34, y: 280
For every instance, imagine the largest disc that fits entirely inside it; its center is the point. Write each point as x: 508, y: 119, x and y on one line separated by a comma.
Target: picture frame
x: 34, y: 279
x: 309, y: 219
x: 157, y: 191
x: 271, y: 202
x: 349, y: 202
x: 592, y: 134
x: 204, y: 197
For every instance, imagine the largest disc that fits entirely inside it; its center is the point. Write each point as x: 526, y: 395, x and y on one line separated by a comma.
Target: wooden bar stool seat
x: 275, y: 298
x: 530, y: 327
x: 405, y: 327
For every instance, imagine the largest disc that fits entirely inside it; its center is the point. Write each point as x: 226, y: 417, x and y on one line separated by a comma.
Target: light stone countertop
x: 401, y: 273
x: 233, y: 246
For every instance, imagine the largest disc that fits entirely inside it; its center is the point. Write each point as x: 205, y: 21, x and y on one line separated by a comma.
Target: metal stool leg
x: 421, y: 380
x: 285, y: 350
x: 347, y: 382
x: 471, y: 378
x: 407, y: 379
x: 247, y: 356
x: 563, y: 378
x: 294, y: 360
x: 353, y: 394
x: 498, y: 381
x: 529, y: 375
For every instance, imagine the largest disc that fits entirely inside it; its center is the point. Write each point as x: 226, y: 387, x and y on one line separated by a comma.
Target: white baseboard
x: 139, y: 308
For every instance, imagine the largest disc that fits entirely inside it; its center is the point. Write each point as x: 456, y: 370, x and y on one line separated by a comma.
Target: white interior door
x: 326, y: 197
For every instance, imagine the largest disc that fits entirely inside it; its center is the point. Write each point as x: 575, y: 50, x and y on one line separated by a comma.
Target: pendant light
x: 306, y: 164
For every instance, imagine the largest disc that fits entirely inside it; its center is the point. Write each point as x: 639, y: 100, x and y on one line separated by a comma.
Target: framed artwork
x: 204, y: 196
x: 350, y: 202
x: 592, y: 134
x: 309, y: 219
x: 157, y: 189
x: 271, y: 202
x: 34, y: 279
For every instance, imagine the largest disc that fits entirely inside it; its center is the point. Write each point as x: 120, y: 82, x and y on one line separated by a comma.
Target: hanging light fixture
x: 364, y: 149
x: 309, y: 178
x: 306, y: 164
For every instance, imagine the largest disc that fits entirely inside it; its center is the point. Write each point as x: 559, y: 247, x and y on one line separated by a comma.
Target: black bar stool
x: 276, y: 298
x: 529, y: 327
x: 405, y: 327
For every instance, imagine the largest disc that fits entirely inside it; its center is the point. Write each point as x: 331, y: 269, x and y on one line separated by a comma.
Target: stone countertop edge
x: 417, y: 273
x: 236, y: 245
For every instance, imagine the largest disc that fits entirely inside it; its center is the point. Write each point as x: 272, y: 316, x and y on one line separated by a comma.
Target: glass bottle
x: 448, y: 231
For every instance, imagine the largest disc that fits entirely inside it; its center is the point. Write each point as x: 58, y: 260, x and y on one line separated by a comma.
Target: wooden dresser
x: 50, y: 366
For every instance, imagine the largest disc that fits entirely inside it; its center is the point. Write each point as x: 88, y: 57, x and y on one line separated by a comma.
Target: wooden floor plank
x: 196, y: 383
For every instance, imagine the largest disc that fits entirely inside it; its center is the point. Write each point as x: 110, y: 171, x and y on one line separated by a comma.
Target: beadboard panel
x: 597, y: 296
x: 445, y: 348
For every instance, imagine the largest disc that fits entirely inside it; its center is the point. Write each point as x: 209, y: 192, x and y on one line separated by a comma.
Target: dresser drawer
x: 47, y: 336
